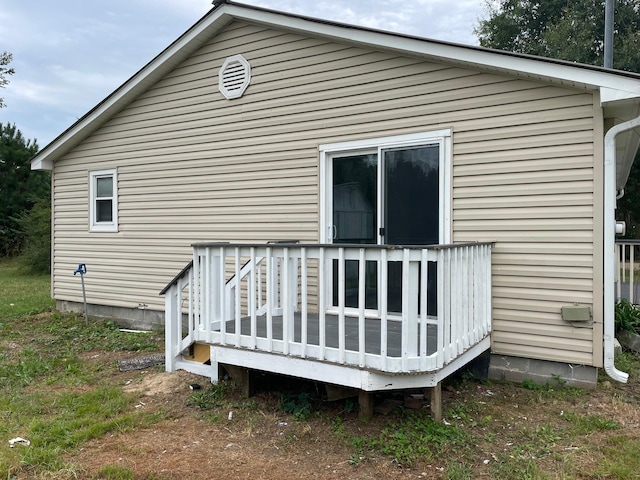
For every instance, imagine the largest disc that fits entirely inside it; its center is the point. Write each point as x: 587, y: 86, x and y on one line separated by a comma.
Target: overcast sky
x: 70, y: 54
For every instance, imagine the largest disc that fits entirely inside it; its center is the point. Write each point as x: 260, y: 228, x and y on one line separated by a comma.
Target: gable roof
x: 619, y: 91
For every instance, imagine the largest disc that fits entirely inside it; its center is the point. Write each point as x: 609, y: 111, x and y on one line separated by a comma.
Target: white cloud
x: 70, y: 54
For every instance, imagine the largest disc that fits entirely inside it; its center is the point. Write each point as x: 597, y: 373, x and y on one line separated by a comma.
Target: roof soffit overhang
x: 617, y: 90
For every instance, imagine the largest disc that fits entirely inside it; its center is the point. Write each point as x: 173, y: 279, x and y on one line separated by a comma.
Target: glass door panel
x: 411, y: 211
x: 355, y: 213
x: 411, y: 196
x: 355, y: 199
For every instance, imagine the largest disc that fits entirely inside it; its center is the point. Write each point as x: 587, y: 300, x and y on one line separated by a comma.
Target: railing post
x: 251, y: 296
x: 219, y: 291
x: 196, y: 286
x: 617, y: 274
x: 193, y: 326
x: 171, y: 337
x: 293, y: 290
x: 424, y: 283
x: 476, y: 313
x: 207, y: 290
x: 341, y: 305
x: 467, y: 284
x: 453, y: 303
x: 303, y: 300
x: 270, y: 296
x: 632, y: 265
x: 409, y: 308
x: 286, y: 301
x: 237, y: 298
x: 361, y: 307
x: 488, y: 299
x: 322, y: 302
x: 440, y: 358
x: 382, y: 296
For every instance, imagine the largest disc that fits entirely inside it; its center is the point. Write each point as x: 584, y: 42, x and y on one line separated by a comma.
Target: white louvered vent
x: 234, y: 77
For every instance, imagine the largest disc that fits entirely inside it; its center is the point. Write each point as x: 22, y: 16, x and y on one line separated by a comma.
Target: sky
x: 69, y: 55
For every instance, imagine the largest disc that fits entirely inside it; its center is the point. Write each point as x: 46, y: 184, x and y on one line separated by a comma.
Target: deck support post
x: 435, y: 400
x: 217, y: 372
x: 365, y: 401
x: 247, y: 388
x: 242, y: 377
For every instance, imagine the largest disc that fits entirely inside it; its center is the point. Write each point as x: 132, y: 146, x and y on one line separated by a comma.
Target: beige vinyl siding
x: 529, y: 186
x: 193, y: 166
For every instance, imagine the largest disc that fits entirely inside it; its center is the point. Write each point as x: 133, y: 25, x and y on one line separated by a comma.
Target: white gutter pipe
x: 609, y: 246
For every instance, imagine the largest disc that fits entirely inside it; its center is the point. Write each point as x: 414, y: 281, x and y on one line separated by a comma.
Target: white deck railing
x: 627, y: 254
x: 330, y: 302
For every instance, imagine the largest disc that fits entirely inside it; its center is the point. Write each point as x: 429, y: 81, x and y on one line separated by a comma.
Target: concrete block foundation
x: 134, y: 318
x: 517, y: 369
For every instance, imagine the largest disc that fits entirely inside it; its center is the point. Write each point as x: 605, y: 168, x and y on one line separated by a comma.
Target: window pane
x: 104, y: 211
x: 104, y: 187
x: 355, y: 199
x: 412, y: 213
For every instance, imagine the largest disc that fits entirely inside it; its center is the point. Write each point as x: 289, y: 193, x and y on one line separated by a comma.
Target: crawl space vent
x: 234, y: 77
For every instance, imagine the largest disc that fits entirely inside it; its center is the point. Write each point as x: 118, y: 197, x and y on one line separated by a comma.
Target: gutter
x: 610, y: 195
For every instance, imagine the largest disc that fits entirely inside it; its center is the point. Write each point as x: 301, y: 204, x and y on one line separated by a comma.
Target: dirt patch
x: 156, y: 384
x: 255, y: 442
x: 192, y: 448
x: 255, y: 439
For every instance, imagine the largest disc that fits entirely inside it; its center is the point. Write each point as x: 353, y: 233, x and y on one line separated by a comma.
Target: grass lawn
x: 49, y: 394
x: 60, y: 388
x: 22, y: 293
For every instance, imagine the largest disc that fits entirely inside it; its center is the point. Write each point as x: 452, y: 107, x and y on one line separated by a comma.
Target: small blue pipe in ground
x: 82, y: 269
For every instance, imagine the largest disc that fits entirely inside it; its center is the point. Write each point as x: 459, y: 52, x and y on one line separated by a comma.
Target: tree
x: 5, y: 71
x: 20, y: 187
x: 566, y: 29
x: 571, y: 30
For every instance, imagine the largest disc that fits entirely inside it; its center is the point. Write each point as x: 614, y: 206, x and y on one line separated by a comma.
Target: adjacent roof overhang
x: 619, y: 91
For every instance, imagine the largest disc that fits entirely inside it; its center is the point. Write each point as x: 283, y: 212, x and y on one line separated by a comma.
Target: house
x: 497, y: 172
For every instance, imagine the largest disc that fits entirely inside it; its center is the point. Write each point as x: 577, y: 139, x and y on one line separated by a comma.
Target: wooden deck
x: 306, y: 311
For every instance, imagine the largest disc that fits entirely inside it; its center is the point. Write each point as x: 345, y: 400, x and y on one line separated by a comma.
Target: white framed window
x: 103, y: 201
x: 388, y: 190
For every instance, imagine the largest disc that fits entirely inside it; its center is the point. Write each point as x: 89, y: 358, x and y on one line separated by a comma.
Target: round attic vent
x: 234, y: 77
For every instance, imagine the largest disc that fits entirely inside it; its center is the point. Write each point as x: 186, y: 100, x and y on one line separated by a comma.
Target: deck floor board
x: 373, y: 332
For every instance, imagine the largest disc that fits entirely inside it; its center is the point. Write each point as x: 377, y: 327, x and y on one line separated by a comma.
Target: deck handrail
x: 289, y: 289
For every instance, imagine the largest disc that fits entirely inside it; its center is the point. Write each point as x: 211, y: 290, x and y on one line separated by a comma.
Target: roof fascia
x: 613, y: 86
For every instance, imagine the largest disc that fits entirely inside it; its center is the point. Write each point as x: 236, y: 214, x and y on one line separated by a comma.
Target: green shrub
x: 299, y: 405
x: 627, y: 316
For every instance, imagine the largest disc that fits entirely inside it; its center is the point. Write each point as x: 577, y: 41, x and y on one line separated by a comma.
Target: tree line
x: 570, y: 30
x: 25, y: 195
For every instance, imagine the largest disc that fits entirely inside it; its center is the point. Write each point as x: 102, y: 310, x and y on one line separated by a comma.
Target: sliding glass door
x: 386, y: 196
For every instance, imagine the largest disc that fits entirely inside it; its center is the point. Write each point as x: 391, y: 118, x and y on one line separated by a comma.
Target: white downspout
x: 609, y: 246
